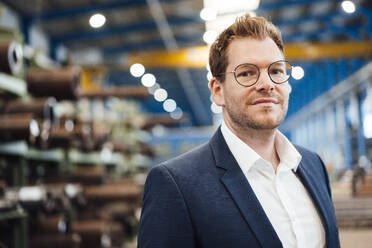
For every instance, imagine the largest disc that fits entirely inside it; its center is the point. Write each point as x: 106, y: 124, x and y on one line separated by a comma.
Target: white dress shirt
x: 283, y: 197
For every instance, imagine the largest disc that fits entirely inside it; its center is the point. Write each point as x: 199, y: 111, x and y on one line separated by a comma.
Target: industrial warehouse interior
x: 95, y: 93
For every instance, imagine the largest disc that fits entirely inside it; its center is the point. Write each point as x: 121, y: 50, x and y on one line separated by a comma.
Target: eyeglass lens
x: 247, y: 74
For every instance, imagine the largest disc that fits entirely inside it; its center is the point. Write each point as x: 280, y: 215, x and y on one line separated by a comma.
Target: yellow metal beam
x: 194, y: 57
x: 316, y: 51
x: 197, y: 57
x: 91, y: 78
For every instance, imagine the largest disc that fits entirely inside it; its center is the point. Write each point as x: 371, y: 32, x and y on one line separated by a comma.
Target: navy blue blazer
x: 202, y: 199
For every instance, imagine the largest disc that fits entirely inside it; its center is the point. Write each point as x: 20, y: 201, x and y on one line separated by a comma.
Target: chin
x: 260, y: 120
x: 264, y: 126
x: 266, y: 123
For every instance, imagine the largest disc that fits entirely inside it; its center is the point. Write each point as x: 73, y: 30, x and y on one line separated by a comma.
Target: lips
x: 265, y: 100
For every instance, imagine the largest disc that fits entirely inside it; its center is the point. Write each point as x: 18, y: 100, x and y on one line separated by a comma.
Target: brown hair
x: 244, y: 26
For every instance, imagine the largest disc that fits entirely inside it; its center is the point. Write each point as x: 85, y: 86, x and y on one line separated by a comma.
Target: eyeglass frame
x: 259, y: 72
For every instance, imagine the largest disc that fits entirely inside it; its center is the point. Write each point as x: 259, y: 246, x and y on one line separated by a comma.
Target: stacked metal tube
x: 61, y: 83
x: 11, y: 57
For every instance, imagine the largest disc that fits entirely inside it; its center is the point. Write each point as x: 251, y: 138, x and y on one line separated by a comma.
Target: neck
x: 262, y: 141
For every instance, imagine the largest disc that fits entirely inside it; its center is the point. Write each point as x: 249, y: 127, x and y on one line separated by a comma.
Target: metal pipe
x: 19, y: 127
x: 126, y: 192
x: 72, y: 240
x: 43, y: 108
x: 62, y: 83
x: 11, y: 57
x: 79, y: 135
x: 160, y: 119
x: 88, y: 175
x: 98, y: 233
x: 51, y: 224
x: 126, y: 92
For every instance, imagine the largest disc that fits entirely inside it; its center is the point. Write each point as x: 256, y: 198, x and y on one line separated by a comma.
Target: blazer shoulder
x: 190, y: 162
x: 309, y: 156
x: 312, y: 160
x: 304, y: 151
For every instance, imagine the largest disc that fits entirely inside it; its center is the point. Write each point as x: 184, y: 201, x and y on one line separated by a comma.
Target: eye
x: 246, y: 73
x: 279, y: 68
x: 276, y: 71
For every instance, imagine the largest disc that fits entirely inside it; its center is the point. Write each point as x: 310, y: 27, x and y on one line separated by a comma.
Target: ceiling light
x: 176, y: 114
x: 148, y: 80
x: 137, y: 70
x: 210, y: 36
x: 158, y: 130
x: 169, y: 105
x: 297, y: 72
x: 97, y: 20
x: 153, y: 88
x: 208, y: 14
x: 160, y: 95
x: 348, y: 6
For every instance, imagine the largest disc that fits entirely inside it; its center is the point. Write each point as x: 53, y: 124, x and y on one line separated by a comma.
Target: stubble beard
x: 244, y: 120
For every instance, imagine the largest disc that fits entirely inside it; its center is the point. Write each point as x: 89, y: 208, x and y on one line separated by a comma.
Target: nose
x: 264, y: 82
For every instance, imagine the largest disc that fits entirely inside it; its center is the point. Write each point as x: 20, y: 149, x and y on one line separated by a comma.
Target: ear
x: 217, y: 92
x: 290, y: 89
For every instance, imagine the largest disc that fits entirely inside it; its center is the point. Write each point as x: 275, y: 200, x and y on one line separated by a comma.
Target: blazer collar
x: 242, y: 193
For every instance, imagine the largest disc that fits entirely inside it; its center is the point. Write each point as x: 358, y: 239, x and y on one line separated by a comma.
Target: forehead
x: 255, y: 51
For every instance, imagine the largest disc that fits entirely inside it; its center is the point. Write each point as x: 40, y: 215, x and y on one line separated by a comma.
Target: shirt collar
x: 247, y: 157
x: 288, y: 154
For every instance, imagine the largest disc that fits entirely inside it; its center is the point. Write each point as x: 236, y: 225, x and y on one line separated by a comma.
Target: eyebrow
x: 259, y: 64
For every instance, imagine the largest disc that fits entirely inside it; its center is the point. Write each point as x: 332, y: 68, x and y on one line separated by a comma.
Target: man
x: 248, y: 186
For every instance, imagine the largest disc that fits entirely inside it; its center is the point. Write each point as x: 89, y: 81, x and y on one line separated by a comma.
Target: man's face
x: 261, y: 106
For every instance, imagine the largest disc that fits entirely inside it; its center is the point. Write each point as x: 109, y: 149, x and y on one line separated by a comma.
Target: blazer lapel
x: 319, y: 195
x: 242, y: 194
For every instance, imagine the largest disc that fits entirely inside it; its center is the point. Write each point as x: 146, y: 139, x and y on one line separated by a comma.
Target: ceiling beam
x: 197, y: 57
x: 285, y: 4
x: 330, y: 26
x: 89, y: 9
x: 149, y: 25
x: 322, y: 33
x: 101, y: 7
x: 333, y: 50
x: 120, y: 30
x: 184, y: 40
x: 328, y: 17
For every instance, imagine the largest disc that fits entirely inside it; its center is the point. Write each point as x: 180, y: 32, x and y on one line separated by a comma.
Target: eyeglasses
x: 248, y: 74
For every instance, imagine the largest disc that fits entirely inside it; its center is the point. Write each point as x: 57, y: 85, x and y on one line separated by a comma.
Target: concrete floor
x: 356, y: 238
